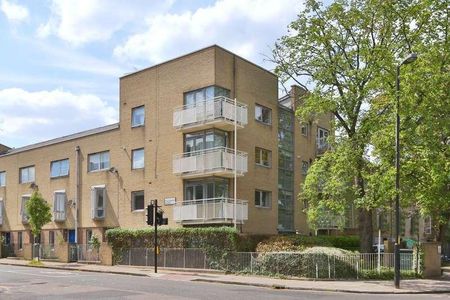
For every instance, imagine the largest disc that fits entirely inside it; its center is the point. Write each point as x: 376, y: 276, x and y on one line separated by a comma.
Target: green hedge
x: 214, y: 240
x: 299, y: 242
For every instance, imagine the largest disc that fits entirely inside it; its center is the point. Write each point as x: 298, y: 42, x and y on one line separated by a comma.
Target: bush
x: 299, y: 242
x: 323, y: 262
x: 215, y: 240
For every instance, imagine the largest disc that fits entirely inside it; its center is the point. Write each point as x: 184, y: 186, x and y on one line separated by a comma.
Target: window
x: 51, y: 237
x: 427, y: 227
x: 195, y: 97
x: 305, y: 167
x: 137, y: 116
x: 263, y: 157
x: 23, y: 212
x: 205, y: 189
x: 137, y: 159
x: 26, y: 174
x: 262, y: 198
x: 98, y: 201
x: 20, y: 240
x: 88, y: 236
x: 3, y: 178
x: 322, y: 135
x: 1, y: 211
x: 59, y: 206
x: 263, y: 114
x: 99, y: 161
x: 304, y: 129
x: 205, y: 140
x: 59, y: 168
x: 137, y: 200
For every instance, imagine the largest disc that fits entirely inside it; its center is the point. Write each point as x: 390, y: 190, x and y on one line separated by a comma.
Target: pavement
x: 414, y: 286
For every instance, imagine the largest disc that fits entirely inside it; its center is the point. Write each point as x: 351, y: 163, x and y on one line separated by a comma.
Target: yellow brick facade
x: 159, y: 89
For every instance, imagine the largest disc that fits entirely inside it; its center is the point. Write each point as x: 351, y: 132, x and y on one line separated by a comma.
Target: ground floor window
x: 19, y: 240
x: 51, y: 237
x: 137, y: 200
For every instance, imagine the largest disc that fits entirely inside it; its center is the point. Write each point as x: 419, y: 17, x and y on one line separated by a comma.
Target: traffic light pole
x: 155, y: 222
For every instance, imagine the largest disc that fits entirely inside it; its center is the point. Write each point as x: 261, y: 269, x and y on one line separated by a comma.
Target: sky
x: 60, y: 60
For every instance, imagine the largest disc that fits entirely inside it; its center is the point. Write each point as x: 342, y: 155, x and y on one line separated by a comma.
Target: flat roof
x: 66, y: 138
x: 194, y: 52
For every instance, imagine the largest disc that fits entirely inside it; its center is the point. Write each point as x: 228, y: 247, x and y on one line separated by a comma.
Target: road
x: 37, y: 283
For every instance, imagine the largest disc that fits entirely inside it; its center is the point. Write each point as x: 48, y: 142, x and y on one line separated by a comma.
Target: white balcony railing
x: 59, y: 216
x: 216, y: 110
x: 214, y: 210
x: 218, y: 160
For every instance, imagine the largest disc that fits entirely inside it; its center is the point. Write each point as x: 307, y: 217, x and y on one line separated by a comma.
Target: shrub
x: 214, y: 240
x: 279, y: 244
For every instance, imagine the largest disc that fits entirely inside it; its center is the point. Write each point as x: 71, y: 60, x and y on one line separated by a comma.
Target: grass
x: 35, y: 263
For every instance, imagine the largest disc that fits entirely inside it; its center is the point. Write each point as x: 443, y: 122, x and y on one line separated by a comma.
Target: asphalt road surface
x: 37, y: 283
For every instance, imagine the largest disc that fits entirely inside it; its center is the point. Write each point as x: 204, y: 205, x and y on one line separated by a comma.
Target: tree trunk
x: 365, y: 227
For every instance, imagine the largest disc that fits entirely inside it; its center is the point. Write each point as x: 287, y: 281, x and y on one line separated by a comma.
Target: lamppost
x: 411, y: 58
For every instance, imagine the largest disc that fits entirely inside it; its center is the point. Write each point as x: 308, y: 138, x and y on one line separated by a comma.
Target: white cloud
x: 246, y: 27
x: 27, y: 117
x: 14, y: 12
x: 84, y: 21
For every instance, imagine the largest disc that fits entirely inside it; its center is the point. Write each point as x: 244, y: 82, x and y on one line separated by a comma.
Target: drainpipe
x: 77, y: 190
x: 235, y: 163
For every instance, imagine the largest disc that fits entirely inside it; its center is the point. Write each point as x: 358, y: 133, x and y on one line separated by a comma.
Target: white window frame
x: 261, y: 161
x: 322, y: 141
x: 133, y: 205
x: 28, y: 169
x: 2, y: 178
x: 260, y: 200
x: 305, y: 167
x: 59, y: 168
x: 259, y: 110
x: 101, y: 161
x: 427, y: 225
x: 133, y: 161
x: 133, y: 110
x: 23, y: 214
x: 95, y: 209
x: 57, y: 206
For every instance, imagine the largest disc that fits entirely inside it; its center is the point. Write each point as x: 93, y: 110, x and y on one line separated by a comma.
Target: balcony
x: 210, y: 211
x: 212, y: 162
x: 218, y: 112
x: 59, y: 216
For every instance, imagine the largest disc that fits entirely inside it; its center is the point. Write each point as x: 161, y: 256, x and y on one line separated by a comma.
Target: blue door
x: 72, y: 236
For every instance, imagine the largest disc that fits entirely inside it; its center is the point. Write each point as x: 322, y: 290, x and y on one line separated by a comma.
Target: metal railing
x: 210, y: 160
x: 210, y: 210
x: 59, y: 216
x: 307, y: 265
x: 322, y: 145
x: 47, y: 251
x: 210, y: 110
x: 88, y: 253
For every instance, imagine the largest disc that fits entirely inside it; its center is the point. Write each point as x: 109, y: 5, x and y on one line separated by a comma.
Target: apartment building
x: 204, y: 133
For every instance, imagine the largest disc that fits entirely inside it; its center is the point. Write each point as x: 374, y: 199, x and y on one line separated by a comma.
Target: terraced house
x: 204, y: 133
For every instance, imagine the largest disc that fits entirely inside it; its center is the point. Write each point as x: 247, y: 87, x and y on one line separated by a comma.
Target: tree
x: 39, y: 213
x: 348, y: 52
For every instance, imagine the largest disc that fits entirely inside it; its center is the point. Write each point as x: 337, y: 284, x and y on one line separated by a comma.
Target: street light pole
x: 411, y: 58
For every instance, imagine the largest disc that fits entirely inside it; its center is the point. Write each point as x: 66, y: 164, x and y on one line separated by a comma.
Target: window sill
x: 137, y: 126
x: 264, y: 166
x: 59, y: 177
x: 263, y: 207
x: 99, y: 171
x: 138, y: 211
x: 137, y: 169
x: 263, y: 123
x: 30, y: 182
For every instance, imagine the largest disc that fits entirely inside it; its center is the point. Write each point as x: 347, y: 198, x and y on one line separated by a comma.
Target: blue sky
x: 60, y: 60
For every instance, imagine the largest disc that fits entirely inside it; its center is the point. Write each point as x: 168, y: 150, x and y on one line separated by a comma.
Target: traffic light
x: 150, y: 209
x: 160, y: 220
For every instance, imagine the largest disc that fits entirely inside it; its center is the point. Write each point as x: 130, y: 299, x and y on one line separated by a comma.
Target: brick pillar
x: 106, y: 254
x: 431, y: 259
x: 62, y: 251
